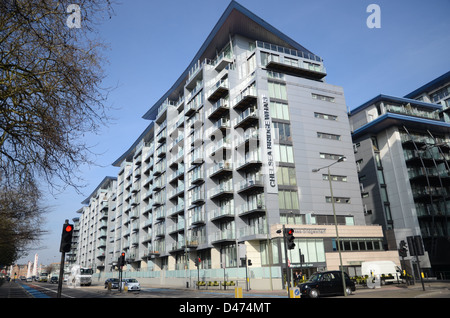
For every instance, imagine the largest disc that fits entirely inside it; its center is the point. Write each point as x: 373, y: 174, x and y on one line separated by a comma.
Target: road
x: 21, y: 289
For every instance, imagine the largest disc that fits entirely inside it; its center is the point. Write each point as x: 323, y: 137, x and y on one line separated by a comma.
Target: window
x: 286, y: 176
x: 282, y: 131
x: 277, y: 90
x: 338, y: 200
x: 290, y: 218
x: 358, y: 244
x: 328, y: 136
x: 312, y: 249
x: 251, y: 64
x: 288, y: 199
x: 279, y: 110
x: 335, y: 178
x: 330, y: 156
x: 276, y: 75
x: 283, y: 153
x: 325, y: 116
x: 323, y: 97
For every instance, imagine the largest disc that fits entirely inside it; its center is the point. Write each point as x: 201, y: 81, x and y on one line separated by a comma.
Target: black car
x: 114, y: 283
x: 326, y: 284
x: 54, y: 280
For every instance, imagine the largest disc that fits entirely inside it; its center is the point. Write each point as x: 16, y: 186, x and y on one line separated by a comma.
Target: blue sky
x: 152, y: 43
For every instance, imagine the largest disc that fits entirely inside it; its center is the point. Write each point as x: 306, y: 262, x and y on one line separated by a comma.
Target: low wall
x: 259, y: 277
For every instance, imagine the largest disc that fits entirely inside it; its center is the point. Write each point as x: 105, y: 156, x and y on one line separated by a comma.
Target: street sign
x: 295, y: 292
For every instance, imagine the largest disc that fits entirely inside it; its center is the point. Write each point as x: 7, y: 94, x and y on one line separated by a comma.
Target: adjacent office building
x: 402, y: 150
x: 228, y: 159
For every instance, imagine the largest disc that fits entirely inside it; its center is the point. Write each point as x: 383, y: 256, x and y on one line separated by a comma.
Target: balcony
x: 197, y: 215
x: 196, y: 138
x: 296, y: 67
x: 160, y: 231
x: 414, y: 111
x: 161, y: 136
x: 218, y: 90
x: 222, y: 212
x: 251, y: 207
x: 195, y: 240
x: 220, y: 147
x: 177, y: 246
x: 222, y: 191
x: 196, y: 120
x: 251, y: 161
x: 223, y: 236
x: 179, y: 208
x: 255, y: 184
x: 222, y: 61
x: 223, y: 124
x: 160, y: 213
x: 177, y: 227
x: 250, y: 137
x: 197, y: 176
x: 195, y: 101
x: 247, y: 118
x: 294, y: 62
x: 198, y: 157
x: 218, y: 109
x: 195, y: 74
x: 255, y: 232
x: 220, y: 169
x: 245, y: 99
x: 198, y: 196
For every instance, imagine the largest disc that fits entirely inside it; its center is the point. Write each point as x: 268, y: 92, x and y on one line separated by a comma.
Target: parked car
x: 326, y: 284
x: 132, y: 284
x: 114, y: 283
x: 54, y: 280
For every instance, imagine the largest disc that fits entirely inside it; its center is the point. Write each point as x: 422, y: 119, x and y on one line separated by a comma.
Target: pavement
x: 433, y: 289
x: 13, y: 289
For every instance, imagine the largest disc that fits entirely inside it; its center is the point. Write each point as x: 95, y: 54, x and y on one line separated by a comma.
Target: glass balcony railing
x: 225, y: 211
x: 223, y: 235
x: 413, y: 111
x: 284, y: 50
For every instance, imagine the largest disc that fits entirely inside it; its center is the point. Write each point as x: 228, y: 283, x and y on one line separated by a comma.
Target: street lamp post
x: 335, y: 220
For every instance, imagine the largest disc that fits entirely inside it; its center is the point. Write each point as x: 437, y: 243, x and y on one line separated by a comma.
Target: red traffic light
x: 66, y: 238
x: 123, y: 254
x: 290, y: 231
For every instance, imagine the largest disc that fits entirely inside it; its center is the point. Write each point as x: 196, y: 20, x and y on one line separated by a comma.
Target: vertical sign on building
x: 268, y: 155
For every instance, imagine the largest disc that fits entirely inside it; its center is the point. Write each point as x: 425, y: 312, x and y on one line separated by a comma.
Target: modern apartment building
x: 91, y: 228
x: 402, y: 150
x: 228, y: 159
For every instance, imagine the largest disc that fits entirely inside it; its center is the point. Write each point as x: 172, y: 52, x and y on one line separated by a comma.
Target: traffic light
x: 402, y: 251
x: 415, y: 245
x: 66, y: 238
x: 290, y: 239
x: 198, y: 261
x: 249, y: 262
x: 121, y: 261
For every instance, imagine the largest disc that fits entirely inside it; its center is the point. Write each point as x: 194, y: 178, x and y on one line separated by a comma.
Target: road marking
x: 48, y: 289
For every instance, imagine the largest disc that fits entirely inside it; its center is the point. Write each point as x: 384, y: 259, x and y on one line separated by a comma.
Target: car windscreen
x: 314, y: 278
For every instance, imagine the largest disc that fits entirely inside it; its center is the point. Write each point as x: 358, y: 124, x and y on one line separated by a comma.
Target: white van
x: 390, y: 271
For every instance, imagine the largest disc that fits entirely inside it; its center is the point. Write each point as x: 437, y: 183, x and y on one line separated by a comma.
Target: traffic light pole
x: 66, y: 243
x: 288, y: 277
x: 61, y: 275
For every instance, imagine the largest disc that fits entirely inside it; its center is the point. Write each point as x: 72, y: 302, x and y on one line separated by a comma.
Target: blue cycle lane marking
x: 34, y: 292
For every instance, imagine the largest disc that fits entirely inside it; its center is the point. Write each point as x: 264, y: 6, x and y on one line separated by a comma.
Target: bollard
x: 238, y: 292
